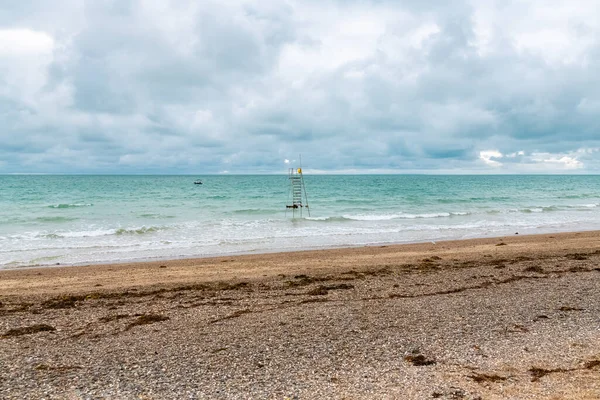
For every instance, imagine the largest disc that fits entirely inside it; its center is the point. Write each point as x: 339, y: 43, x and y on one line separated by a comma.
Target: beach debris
x: 116, y: 317
x: 146, y: 319
x: 324, y: 289
x: 591, y: 364
x: 577, y: 256
x: 486, y: 378
x: 340, y: 286
x: 220, y: 349
x: 535, y: 268
x: 235, y: 314
x: 567, y: 308
x: 303, y: 280
x: 28, y: 330
x: 378, y: 272
x: 538, y: 373
x: 517, y: 328
x: 419, y: 360
x: 66, y: 301
x: 318, y: 291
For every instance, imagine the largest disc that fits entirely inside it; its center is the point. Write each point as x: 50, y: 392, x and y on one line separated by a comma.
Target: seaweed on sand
x: 535, y: 268
x: 146, y: 319
x: 419, y: 360
x: 485, y: 378
x: 28, y: 330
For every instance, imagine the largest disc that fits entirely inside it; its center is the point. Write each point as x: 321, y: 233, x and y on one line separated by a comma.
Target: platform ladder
x: 298, y: 192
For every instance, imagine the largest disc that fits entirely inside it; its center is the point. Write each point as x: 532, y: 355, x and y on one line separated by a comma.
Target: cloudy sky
x: 157, y: 86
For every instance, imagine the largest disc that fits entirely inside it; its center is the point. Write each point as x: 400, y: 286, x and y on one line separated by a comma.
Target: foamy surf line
x: 289, y: 250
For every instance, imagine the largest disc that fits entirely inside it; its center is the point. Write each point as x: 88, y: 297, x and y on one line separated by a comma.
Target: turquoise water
x: 45, y: 220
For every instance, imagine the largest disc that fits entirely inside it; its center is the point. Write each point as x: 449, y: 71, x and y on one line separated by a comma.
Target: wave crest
x: 56, y: 219
x: 64, y: 205
x: 138, y: 231
x: 387, y: 217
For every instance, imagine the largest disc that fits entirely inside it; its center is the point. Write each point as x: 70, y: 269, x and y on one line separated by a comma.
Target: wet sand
x: 514, y: 317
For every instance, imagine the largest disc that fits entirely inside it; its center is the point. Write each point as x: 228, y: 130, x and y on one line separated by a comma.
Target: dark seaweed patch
x: 232, y: 315
x: 535, y: 268
x: 577, y: 256
x: 485, y: 378
x: 116, y: 317
x: 69, y: 301
x: 567, y: 308
x: 419, y: 360
x: 28, y: 330
x: 538, y: 373
x: 318, y: 291
x: 591, y: 364
x: 303, y: 280
x: 146, y: 319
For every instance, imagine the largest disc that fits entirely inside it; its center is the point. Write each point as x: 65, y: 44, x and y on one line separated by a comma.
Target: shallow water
x: 46, y: 220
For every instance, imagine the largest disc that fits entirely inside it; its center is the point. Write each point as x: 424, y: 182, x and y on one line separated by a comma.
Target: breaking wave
x: 56, y: 219
x: 64, y: 205
x: 138, y: 231
x: 96, y: 233
x: 387, y: 217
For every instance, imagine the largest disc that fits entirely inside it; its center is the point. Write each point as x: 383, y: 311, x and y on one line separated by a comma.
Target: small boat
x: 198, y: 182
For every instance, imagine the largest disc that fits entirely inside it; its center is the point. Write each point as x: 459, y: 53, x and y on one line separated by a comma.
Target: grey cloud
x: 133, y: 88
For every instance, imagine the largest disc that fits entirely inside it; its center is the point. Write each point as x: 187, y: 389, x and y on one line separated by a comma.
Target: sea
x: 49, y: 220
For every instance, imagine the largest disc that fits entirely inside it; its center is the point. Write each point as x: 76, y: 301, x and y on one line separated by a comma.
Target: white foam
x: 63, y: 205
x: 388, y: 217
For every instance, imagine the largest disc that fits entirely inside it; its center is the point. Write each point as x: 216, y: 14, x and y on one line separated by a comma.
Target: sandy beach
x: 501, y: 318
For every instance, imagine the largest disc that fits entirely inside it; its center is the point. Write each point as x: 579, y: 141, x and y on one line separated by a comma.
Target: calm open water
x: 46, y: 220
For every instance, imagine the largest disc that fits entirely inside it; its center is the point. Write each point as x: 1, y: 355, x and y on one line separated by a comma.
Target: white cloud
x: 487, y: 157
x: 567, y: 162
x: 25, y: 56
x: 22, y: 42
x: 515, y: 154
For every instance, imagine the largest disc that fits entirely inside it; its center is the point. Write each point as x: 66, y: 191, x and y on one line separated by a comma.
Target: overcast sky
x: 355, y: 86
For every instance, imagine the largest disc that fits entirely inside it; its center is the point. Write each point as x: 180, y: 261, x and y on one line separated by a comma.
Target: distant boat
x: 198, y: 182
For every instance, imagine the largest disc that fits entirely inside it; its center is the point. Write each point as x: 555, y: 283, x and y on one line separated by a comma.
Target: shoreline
x: 506, y: 317
x: 145, y: 260
x: 195, y: 267
x: 88, y: 269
